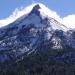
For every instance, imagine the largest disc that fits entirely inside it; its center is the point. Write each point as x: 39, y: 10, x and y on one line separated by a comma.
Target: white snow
x: 16, y: 14
x: 20, y: 12
x: 68, y: 21
x: 56, y: 43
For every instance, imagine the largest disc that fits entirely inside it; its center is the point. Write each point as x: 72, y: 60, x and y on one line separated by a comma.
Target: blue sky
x: 62, y: 7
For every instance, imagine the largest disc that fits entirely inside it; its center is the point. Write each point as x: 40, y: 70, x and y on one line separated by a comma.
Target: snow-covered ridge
x: 20, y: 12
x: 68, y: 20
x: 38, y: 16
x: 44, y: 10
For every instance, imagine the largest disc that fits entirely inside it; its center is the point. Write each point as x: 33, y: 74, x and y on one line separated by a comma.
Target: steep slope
x: 30, y: 32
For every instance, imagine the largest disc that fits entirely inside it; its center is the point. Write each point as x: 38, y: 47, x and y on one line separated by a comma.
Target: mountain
x: 36, y: 37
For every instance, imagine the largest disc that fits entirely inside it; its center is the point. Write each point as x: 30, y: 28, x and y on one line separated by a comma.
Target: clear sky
x: 62, y: 7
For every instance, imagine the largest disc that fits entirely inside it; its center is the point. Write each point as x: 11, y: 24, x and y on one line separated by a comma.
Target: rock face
x: 34, y: 34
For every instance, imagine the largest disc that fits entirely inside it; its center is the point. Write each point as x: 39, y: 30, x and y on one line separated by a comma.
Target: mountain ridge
x: 43, y: 9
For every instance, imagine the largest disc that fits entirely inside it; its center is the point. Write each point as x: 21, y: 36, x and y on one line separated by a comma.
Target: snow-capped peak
x: 36, y: 8
x: 25, y: 10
